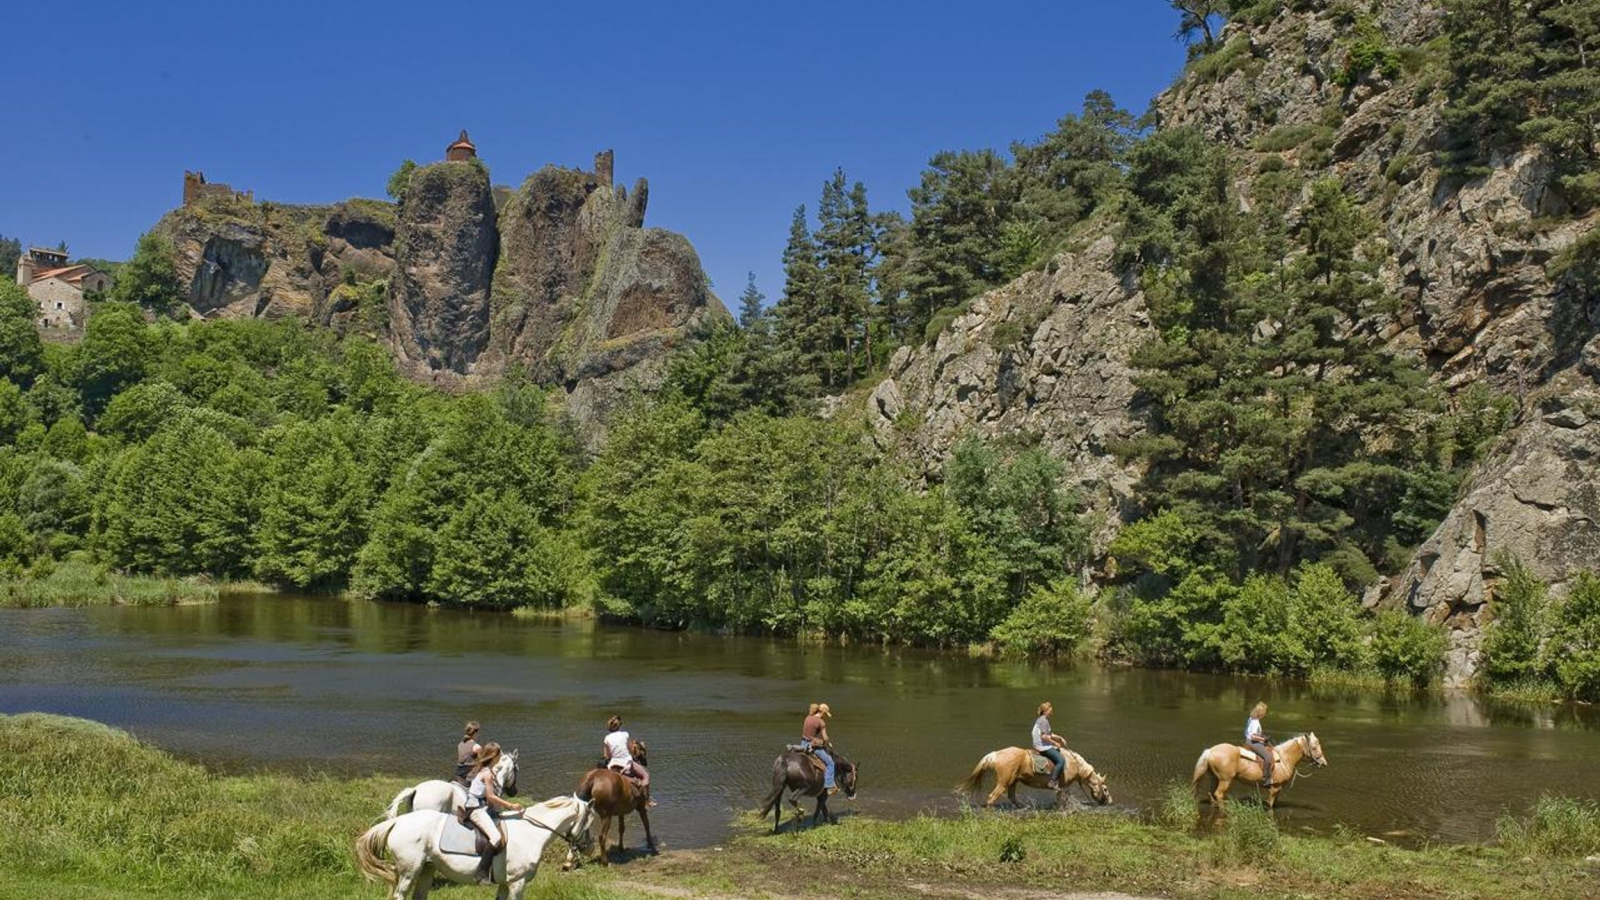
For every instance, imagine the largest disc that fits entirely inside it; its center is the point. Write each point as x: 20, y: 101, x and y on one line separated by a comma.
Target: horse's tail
x: 974, y: 781
x: 779, y: 782
x: 402, y: 799
x: 1202, y: 769
x: 370, y: 848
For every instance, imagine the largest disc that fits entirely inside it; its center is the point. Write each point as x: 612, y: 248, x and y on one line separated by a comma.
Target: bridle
x: 585, y: 818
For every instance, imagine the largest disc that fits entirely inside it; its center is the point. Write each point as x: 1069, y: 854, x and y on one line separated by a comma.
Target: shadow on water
x: 319, y: 684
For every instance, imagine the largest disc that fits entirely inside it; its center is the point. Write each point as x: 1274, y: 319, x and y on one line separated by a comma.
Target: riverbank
x: 80, y: 581
x: 87, y: 812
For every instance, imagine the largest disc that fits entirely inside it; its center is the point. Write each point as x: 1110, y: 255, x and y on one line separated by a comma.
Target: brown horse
x: 1220, y: 766
x: 798, y: 774
x: 612, y: 797
x: 1014, y: 765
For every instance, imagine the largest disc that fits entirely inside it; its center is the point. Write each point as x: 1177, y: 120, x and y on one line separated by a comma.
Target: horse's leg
x: 1219, y: 798
x: 1011, y: 795
x: 521, y: 884
x: 649, y: 839
x: 1272, y: 795
x: 799, y: 814
x: 605, y: 829
x: 999, y: 788
x: 402, y: 883
x: 424, y: 883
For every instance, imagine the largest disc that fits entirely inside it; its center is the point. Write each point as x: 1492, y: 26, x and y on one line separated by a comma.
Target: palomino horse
x: 1226, y: 763
x: 445, y: 796
x: 411, y: 845
x: 1014, y: 765
x: 613, y: 797
x: 795, y: 773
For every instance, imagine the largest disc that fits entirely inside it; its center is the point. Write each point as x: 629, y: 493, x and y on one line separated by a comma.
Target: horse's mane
x: 562, y: 802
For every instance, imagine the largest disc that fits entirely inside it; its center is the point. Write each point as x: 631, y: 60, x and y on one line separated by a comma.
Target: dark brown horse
x: 612, y: 796
x: 795, y: 773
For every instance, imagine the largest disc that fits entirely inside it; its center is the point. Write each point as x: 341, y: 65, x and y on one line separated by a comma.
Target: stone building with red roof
x: 58, y: 287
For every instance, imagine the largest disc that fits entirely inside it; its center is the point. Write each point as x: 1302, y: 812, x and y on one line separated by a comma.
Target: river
x: 323, y: 685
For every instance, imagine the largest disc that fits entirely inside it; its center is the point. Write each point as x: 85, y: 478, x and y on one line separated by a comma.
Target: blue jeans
x: 1054, y: 755
x: 827, y: 764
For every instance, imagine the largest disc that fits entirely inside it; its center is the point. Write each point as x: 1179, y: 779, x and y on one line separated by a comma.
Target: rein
x: 538, y: 824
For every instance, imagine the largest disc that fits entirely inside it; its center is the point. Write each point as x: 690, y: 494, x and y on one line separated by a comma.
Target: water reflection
x: 276, y: 681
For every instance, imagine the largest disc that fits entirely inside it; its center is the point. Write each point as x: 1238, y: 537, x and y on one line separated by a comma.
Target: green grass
x: 87, y: 812
x: 79, y: 581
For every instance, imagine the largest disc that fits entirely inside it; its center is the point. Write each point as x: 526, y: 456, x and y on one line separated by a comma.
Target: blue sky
x: 736, y: 112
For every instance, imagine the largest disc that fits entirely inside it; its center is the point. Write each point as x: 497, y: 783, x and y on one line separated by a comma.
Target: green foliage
x: 1513, y: 637
x: 1523, y: 73
x: 21, y: 351
x: 1575, y: 640
x: 1558, y: 827
x: 400, y: 180
x: 1251, y: 834
x: 1406, y: 648
x: 1052, y: 620
x: 114, y: 354
x: 1215, y: 66
x: 150, y: 279
x: 1370, y: 52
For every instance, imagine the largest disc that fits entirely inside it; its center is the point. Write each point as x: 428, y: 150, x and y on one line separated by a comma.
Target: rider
x: 483, y: 796
x: 620, y: 759
x: 466, y: 753
x: 814, y: 737
x: 1256, y: 739
x: 1049, y: 744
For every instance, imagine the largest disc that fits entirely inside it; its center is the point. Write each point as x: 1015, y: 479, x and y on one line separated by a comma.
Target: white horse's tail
x: 370, y: 848
x: 402, y: 799
x: 974, y: 781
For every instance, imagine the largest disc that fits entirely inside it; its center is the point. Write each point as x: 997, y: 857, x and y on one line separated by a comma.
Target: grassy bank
x: 79, y: 581
x: 86, y: 812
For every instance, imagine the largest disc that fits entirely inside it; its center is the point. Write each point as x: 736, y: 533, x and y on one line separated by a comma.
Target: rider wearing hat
x: 484, y: 796
x: 814, y: 737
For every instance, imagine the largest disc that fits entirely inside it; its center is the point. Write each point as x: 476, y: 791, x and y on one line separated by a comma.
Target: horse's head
x: 1314, y: 749
x: 505, y: 769
x: 583, y: 829
x: 1096, y: 784
x: 638, y: 750
x: 847, y: 772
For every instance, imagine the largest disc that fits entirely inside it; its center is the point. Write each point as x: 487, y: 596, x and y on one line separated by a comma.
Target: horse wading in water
x: 404, y: 852
x: 799, y: 775
x: 1220, y: 766
x: 614, y: 796
x: 445, y: 796
x: 1018, y: 765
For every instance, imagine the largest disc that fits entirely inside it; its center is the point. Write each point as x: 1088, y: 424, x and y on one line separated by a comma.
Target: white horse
x: 411, y: 843
x: 445, y: 796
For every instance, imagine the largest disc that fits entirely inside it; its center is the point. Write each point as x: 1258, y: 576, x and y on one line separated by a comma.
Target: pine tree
x: 800, y: 317
x: 752, y: 312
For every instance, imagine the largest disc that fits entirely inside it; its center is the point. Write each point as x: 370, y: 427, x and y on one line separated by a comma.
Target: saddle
x: 1250, y: 754
x: 1041, y: 763
x: 460, y: 837
x: 809, y: 755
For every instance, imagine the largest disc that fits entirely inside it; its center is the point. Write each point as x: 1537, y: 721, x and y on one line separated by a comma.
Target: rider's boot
x: 485, y: 872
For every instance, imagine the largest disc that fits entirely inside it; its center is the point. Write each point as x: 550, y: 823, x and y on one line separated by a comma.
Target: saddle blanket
x: 459, y: 839
x: 1248, y: 755
x: 1042, y: 764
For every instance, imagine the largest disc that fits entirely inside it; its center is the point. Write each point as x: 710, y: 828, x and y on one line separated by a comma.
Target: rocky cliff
x: 243, y: 259
x: 1469, y: 262
x: 559, y: 278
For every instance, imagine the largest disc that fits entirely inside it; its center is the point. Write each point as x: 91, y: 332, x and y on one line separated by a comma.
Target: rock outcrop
x: 243, y: 259
x: 465, y: 280
x: 1046, y: 357
x: 586, y: 297
x: 445, y: 249
x: 1468, y: 262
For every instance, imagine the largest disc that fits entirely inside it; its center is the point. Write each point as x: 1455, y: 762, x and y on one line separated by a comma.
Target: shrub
x: 1053, y: 620
x: 1406, y: 647
x: 1251, y: 833
x: 1575, y: 640
x: 1516, y: 626
x: 939, y: 322
x: 1555, y: 826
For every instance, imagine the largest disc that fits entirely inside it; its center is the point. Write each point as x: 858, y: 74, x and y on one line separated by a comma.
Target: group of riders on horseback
x: 485, y: 777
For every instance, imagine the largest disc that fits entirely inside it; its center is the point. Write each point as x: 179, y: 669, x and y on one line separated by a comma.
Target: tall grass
x: 1554, y: 827
x: 79, y: 581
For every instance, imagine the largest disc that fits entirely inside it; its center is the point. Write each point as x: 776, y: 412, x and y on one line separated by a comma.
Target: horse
x: 445, y: 796
x: 613, y: 796
x: 1225, y: 763
x: 795, y: 773
x: 1014, y: 765
x: 411, y: 844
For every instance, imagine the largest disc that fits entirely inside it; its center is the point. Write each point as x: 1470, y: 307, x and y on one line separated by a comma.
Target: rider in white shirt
x: 1257, y: 741
x: 619, y: 757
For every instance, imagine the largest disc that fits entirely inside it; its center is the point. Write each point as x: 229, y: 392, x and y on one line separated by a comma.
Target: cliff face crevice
x: 1469, y: 264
